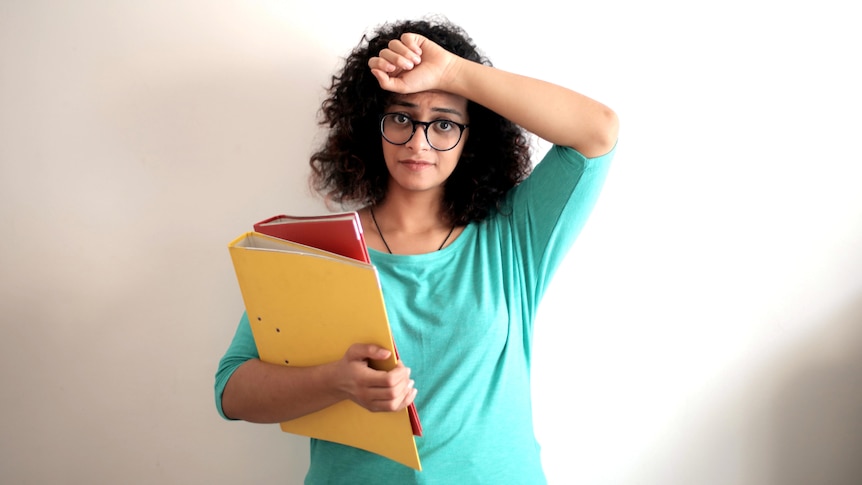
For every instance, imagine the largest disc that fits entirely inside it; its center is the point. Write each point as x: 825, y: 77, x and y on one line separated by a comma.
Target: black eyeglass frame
x: 426, y: 124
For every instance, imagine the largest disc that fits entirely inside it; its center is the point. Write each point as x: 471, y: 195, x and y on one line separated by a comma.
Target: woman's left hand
x: 413, y: 64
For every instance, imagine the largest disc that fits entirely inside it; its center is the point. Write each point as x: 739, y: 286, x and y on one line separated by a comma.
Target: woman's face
x: 416, y: 166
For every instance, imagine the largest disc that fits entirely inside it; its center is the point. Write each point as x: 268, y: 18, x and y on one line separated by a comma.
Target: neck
x: 416, y: 247
x: 414, y: 225
x: 412, y: 213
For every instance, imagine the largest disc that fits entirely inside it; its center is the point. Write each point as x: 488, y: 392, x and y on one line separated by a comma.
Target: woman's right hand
x: 412, y: 64
x: 375, y: 390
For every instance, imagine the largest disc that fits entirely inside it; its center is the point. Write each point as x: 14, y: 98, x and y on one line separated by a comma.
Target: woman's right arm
x: 260, y: 392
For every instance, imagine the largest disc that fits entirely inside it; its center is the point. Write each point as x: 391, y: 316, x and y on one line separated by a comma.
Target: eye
x: 401, y: 119
x: 444, y: 125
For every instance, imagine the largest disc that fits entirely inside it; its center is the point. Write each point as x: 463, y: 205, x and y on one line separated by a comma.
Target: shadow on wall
x: 816, y: 413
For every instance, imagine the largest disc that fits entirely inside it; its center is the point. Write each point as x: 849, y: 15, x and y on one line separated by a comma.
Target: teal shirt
x: 462, y: 319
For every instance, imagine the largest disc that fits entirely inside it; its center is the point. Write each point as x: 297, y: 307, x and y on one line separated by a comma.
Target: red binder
x: 339, y: 233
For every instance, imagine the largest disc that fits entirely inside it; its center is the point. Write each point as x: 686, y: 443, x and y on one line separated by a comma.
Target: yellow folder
x: 306, y: 307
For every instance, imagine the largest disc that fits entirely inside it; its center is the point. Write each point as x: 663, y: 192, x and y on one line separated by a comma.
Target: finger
x: 400, y: 57
x: 389, y: 393
x: 382, y: 64
x: 414, y: 43
x: 381, y: 379
x: 392, y: 399
x: 404, y: 400
x: 407, y: 47
x: 409, y: 399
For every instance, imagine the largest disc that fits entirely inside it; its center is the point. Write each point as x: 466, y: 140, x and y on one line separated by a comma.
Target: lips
x: 416, y: 164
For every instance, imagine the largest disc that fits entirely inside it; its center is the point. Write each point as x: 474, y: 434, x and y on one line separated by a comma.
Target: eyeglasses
x: 442, y: 135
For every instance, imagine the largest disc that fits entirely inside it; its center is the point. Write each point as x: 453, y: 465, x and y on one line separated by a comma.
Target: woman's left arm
x: 554, y: 113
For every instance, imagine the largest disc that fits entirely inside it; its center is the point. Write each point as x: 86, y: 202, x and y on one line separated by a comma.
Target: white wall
x: 706, y: 329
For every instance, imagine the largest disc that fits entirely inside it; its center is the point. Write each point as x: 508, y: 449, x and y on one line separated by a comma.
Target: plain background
x: 705, y: 329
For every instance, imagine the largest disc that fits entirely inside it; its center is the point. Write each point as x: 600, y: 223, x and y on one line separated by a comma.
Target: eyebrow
x: 405, y: 104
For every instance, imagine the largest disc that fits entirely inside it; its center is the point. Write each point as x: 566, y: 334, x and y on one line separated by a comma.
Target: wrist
x: 334, y: 383
x: 452, y: 80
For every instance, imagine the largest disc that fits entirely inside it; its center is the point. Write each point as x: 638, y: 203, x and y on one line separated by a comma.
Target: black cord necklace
x: 371, y: 209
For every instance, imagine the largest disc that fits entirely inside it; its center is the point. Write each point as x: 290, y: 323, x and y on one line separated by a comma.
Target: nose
x: 419, y: 142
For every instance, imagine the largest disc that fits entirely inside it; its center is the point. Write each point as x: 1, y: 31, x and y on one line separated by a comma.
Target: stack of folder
x: 311, y: 292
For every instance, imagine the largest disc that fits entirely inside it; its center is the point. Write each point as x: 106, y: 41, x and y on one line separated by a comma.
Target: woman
x: 428, y: 141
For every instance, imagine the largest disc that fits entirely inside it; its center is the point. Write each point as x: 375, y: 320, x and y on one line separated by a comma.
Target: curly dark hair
x: 349, y: 168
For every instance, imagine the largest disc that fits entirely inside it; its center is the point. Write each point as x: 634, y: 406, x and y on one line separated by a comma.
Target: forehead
x: 431, y: 101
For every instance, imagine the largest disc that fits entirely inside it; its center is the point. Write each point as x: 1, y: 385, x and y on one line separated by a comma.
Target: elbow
x: 606, y: 128
x: 227, y: 404
x: 612, y: 129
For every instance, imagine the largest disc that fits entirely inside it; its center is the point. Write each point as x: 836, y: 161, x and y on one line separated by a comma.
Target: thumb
x: 389, y: 81
x: 367, y: 352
